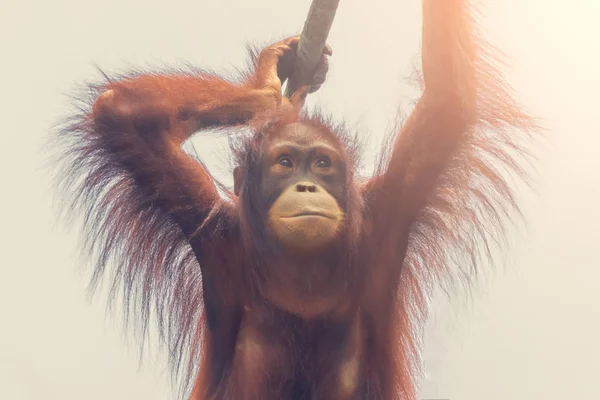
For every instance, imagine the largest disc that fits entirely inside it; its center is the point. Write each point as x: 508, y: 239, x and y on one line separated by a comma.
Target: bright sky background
x: 531, y: 333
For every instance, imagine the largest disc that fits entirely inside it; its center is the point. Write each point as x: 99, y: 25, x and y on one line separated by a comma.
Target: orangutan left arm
x: 446, y: 144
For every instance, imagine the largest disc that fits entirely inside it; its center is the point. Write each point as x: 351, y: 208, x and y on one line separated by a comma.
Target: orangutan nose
x: 306, y: 187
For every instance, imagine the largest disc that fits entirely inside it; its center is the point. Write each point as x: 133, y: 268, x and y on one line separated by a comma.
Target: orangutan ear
x: 237, y: 180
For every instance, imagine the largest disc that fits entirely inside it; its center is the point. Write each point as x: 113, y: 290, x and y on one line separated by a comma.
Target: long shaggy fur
x: 155, y: 271
x: 153, y: 268
x: 465, y: 219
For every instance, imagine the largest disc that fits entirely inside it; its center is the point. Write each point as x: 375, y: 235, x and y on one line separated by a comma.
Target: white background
x: 530, y: 333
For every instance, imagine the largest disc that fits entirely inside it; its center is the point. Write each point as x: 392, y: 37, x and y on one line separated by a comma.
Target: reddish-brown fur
x: 439, y: 199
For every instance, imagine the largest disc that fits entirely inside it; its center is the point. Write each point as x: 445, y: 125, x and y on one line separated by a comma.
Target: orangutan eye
x: 286, y: 161
x: 323, y: 162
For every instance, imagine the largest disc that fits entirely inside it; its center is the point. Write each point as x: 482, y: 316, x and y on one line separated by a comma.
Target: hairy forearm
x: 139, y: 124
x: 182, y: 104
x: 449, y: 53
x: 447, y: 174
x: 461, y: 120
x: 449, y: 101
x: 445, y: 111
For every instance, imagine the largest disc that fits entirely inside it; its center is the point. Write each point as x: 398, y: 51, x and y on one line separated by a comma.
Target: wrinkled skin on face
x: 303, y: 176
x: 301, y: 198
